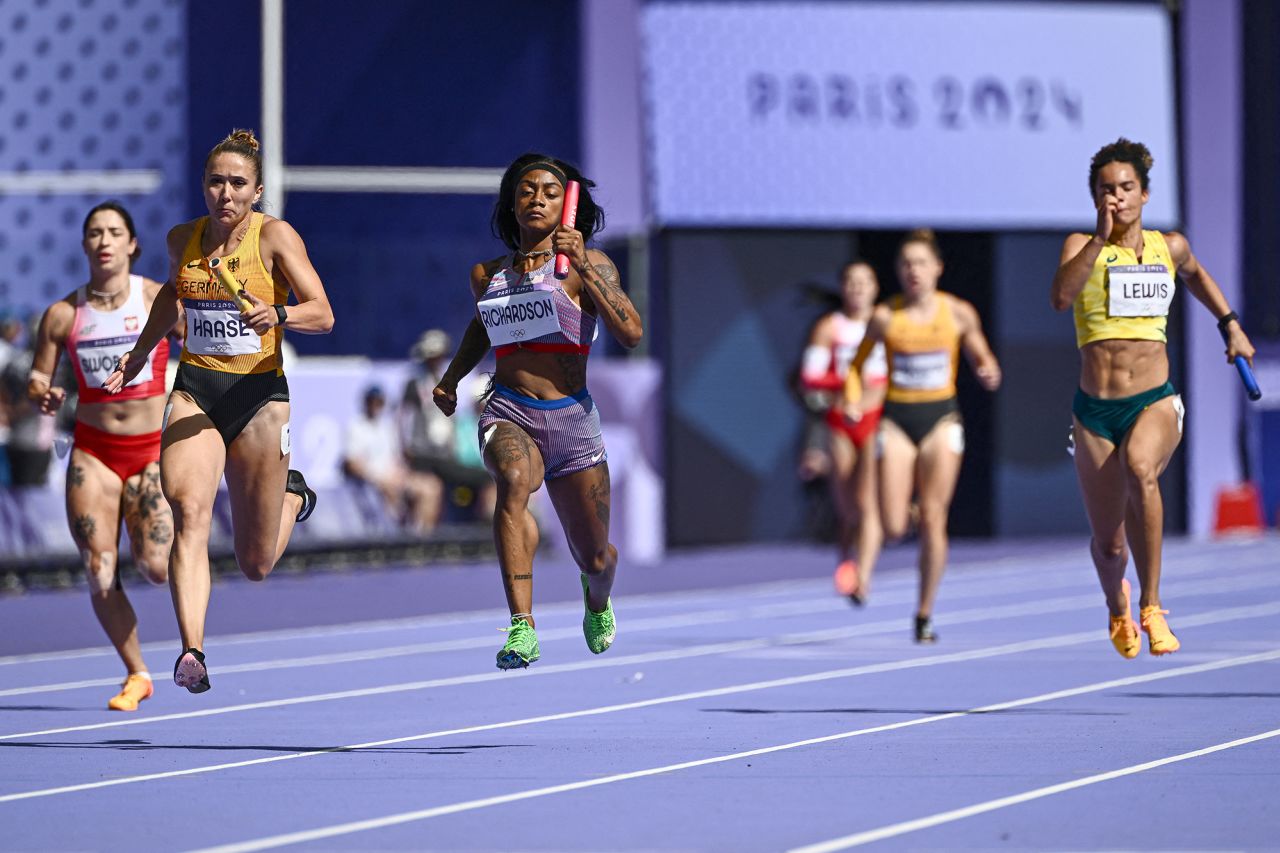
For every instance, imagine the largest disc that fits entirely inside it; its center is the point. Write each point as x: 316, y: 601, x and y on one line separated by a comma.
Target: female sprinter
x: 832, y: 344
x: 1127, y: 417
x: 229, y: 411
x: 114, y: 469
x: 921, y: 436
x: 539, y: 422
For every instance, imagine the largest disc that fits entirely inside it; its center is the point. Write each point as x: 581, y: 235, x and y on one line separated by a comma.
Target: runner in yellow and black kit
x: 229, y: 411
x: 921, y: 440
x: 1128, y: 419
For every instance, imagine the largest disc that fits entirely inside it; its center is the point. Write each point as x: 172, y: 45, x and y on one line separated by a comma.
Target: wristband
x: 1225, y: 319
x: 280, y: 315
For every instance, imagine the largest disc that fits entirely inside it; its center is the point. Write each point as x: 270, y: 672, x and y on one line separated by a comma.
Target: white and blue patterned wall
x: 86, y: 86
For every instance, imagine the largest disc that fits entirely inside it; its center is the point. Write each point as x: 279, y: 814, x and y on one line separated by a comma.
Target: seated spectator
x: 29, y: 448
x: 372, y: 455
x: 447, y: 448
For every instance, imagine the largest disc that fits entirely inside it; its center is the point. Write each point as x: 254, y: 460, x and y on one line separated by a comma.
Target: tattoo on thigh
x: 83, y: 528
x: 75, y: 476
x: 599, y: 496
x: 510, y: 446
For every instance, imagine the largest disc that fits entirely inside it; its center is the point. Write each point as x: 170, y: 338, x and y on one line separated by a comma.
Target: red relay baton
x: 568, y: 216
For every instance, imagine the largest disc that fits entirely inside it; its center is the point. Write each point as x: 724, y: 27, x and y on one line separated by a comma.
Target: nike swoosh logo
x: 597, y: 457
x: 1112, y: 258
x: 193, y: 265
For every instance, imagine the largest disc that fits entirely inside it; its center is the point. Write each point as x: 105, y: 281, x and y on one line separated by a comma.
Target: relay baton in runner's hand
x: 1246, y: 373
x: 229, y: 284
x: 568, y: 216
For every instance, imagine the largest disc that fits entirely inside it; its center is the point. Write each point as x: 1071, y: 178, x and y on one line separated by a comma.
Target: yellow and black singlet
x: 217, y: 338
x: 923, y: 357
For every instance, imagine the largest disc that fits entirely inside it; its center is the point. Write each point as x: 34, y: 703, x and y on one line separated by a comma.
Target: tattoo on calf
x: 522, y: 577
x: 160, y: 533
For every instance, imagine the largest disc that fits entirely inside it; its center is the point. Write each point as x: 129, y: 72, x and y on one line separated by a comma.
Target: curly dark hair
x: 1122, y: 150
x: 503, y: 223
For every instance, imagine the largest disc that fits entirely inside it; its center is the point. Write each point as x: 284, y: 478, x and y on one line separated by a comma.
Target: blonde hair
x: 240, y: 141
x: 925, y: 236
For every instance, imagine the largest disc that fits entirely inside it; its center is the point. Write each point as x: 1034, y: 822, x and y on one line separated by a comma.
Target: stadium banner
x: 954, y: 115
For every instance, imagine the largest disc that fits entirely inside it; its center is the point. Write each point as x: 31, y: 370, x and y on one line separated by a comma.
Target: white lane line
x: 807, y: 589
x: 970, y: 572
x: 892, y: 830
x: 1060, y: 641
x: 801, y: 638
x: 681, y: 620
x: 351, y: 827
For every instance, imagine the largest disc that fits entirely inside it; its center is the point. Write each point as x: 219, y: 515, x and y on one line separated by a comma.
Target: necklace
x: 105, y: 294
x: 520, y: 256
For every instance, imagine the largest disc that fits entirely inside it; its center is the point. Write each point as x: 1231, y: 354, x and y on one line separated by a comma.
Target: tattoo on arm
x: 528, y: 577
x: 608, y: 289
x: 75, y: 476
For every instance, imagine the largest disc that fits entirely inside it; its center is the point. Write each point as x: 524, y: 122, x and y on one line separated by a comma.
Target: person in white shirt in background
x: 372, y: 455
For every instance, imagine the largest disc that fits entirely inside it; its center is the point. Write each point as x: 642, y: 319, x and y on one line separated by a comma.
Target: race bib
x: 922, y: 371
x: 1139, y: 290
x: 519, y: 314
x: 214, y: 327
x: 98, y: 359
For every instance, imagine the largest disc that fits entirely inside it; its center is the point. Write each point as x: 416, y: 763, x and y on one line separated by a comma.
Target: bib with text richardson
x: 518, y: 314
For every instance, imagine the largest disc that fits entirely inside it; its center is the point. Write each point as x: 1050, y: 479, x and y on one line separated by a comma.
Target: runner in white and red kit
x: 114, y: 470
x: 832, y: 344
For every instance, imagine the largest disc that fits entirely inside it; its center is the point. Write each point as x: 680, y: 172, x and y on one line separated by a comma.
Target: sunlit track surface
x: 754, y: 711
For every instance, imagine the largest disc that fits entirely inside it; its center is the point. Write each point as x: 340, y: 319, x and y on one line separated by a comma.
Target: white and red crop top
x: 98, y: 338
x: 532, y: 311
x: 826, y: 369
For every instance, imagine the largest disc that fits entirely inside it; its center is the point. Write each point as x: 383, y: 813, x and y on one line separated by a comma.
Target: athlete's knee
x: 255, y: 570
x: 894, y: 526
x: 255, y: 562
x: 152, y: 563
x: 99, y: 570
x: 1110, y: 550
x: 599, y: 561
x: 191, y: 512
x: 933, y: 515
x: 1142, y: 474
x: 514, y: 484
